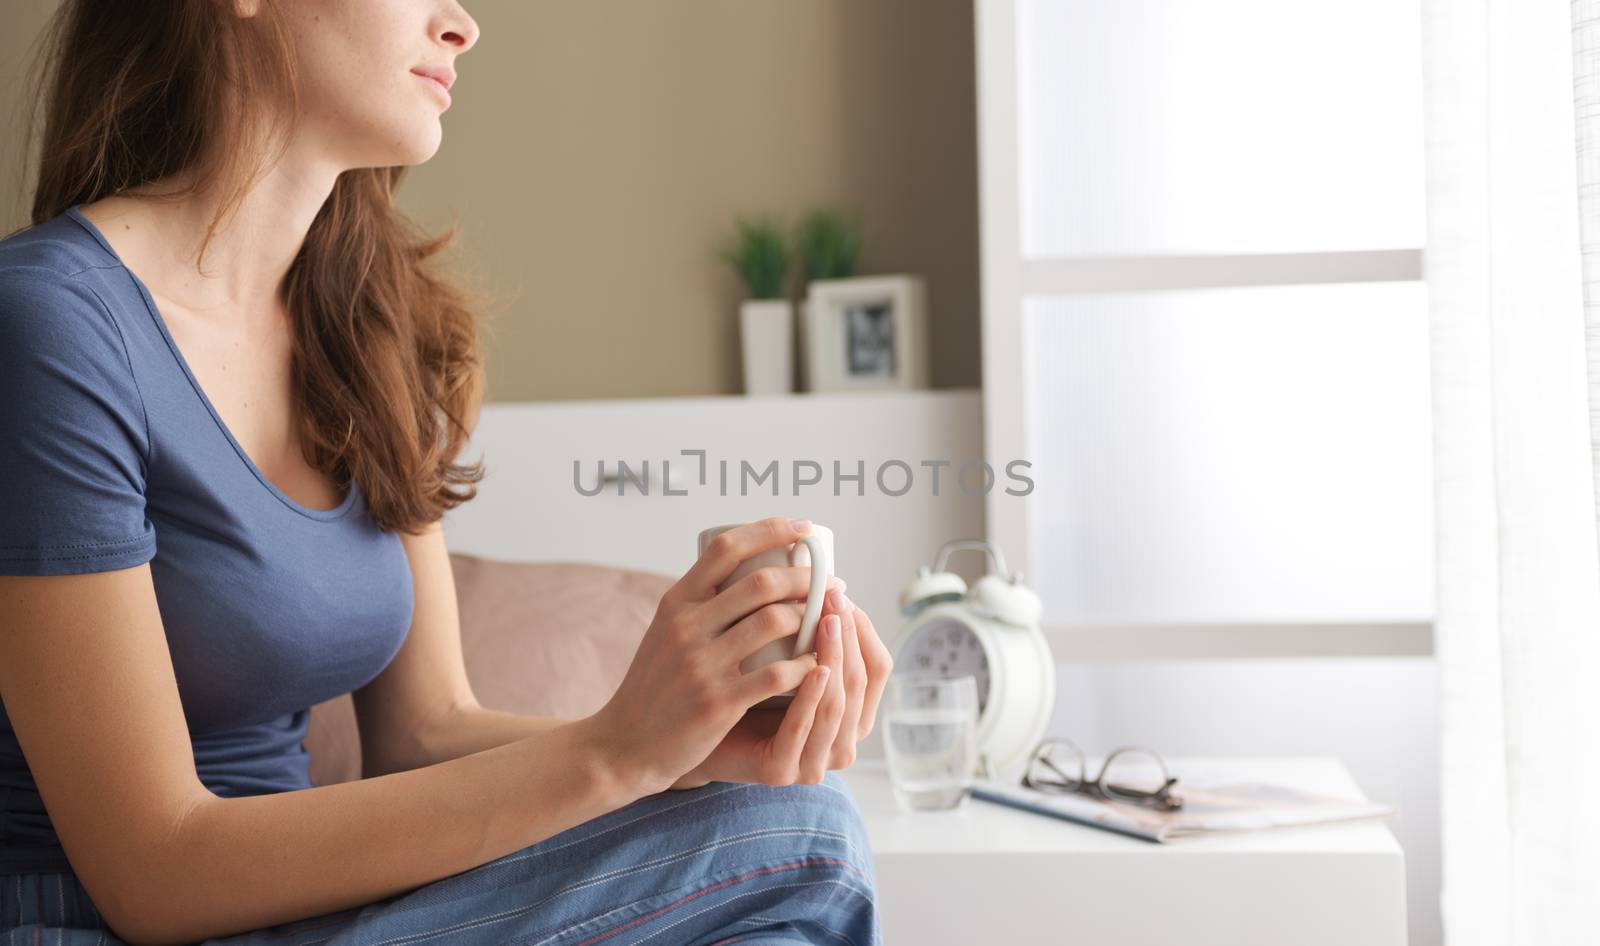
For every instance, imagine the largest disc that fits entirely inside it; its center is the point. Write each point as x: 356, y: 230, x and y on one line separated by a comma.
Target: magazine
x: 1211, y: 806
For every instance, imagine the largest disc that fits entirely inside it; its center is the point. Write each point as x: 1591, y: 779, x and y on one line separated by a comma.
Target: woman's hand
x: 685, y: 690
x: 774, y: 746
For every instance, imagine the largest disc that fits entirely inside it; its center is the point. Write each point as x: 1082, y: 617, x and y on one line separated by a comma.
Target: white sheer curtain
x: 1516, y: 379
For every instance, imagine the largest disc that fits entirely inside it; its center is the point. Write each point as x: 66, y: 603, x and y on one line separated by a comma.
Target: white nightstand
x: 985, y: 873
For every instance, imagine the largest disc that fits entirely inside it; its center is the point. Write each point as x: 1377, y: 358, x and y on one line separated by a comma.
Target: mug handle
x: 819, y: 588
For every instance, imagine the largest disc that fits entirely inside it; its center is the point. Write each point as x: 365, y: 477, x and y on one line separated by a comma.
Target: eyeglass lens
x: 1058, y: 760
x: 1133, y: 773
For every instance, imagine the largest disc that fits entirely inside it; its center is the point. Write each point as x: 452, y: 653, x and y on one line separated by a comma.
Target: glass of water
x: 930, y: 739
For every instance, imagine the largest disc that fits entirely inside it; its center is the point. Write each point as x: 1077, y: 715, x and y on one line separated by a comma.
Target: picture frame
x: 865, y: 333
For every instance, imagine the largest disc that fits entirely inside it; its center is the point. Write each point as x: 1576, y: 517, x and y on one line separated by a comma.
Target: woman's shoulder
x: 51, y: 282
x: 57, y: 249
x: 73, y: 427
x: 61, y: 343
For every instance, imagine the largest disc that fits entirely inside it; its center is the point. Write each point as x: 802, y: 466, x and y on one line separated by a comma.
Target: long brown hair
x: 387, y: 376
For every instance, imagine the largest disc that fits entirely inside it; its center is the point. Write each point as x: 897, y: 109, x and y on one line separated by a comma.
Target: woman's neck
x: 247, y: 257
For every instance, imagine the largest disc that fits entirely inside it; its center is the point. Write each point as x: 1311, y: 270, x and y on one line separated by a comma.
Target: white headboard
x: 529, y: 509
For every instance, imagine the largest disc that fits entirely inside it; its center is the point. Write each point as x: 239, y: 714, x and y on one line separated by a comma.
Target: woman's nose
x: 459, y: 30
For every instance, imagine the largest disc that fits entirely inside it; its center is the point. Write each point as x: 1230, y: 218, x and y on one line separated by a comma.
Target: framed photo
x: 865, y: 333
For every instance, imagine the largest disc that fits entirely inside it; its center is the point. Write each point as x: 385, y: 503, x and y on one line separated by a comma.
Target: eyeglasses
x: 1129, y: 774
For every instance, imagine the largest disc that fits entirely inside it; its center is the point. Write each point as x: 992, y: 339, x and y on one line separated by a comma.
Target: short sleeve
x: 74, y: 443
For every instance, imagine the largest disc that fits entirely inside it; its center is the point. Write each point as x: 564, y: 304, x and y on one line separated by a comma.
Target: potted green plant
x: 766, y: 319
x: 830, y: 243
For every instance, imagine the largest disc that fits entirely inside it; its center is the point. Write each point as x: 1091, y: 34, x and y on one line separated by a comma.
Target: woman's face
x: 373, y: 76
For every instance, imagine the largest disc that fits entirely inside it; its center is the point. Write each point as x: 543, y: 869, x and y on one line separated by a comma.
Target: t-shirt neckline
x: 337, y: 512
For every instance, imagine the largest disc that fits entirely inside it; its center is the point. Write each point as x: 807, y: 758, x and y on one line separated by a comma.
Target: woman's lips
x: 436, y: 82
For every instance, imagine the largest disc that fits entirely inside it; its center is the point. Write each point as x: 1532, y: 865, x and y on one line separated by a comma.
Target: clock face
x: 950, y: 649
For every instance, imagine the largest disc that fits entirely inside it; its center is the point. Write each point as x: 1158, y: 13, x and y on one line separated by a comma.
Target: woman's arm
x: 408, y: 715
x: 475, y: 728
x: 90, y: 691
x: 243, y: 863
x: 421, y: 709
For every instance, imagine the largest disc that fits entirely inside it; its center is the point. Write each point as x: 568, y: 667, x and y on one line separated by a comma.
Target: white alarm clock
x: 991, y: 632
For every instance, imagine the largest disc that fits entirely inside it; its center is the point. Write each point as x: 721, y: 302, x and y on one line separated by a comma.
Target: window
x: 1205, y: 323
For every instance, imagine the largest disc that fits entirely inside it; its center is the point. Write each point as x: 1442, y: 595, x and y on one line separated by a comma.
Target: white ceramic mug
x: 815, y: 549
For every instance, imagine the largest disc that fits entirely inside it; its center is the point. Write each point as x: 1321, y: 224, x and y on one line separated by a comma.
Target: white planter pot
x: 766, y: 335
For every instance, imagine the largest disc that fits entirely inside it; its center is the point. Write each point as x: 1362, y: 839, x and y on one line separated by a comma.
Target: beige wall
x: 23, y: 22
x: 599, y: 151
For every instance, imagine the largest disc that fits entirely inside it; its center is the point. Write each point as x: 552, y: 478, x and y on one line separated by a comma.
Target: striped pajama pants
x: 720, y: 864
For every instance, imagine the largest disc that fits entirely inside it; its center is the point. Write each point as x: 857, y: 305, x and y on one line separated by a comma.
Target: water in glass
x: 931, y: 740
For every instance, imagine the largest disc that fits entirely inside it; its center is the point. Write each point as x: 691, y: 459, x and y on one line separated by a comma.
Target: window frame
x: 1008, y: 278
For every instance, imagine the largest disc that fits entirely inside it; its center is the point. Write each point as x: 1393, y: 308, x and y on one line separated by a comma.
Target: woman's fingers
x: 713, y: 610
x: 819, y: 743
x: 742, y: 605
x: 758, y: 589
x: 727, y: 550
x: 879, y: 664
x: 779, y: 619
x: 853, y: 680
x: 773, y: 679
x: 797, y: 722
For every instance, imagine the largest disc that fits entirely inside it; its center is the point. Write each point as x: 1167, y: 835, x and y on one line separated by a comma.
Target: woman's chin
x: 420, y: 145
x: 411, y: 146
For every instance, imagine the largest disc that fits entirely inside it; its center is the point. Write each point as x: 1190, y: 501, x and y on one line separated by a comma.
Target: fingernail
x: 837, y: 599
x: 830, y: 627
x: 822, y: 673
x: 800, y: 525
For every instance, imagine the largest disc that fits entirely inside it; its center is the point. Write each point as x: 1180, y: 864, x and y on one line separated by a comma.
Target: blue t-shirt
x: 111, y: 455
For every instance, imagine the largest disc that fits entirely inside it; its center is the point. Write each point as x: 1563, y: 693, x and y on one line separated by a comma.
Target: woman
x: 232, y: 392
